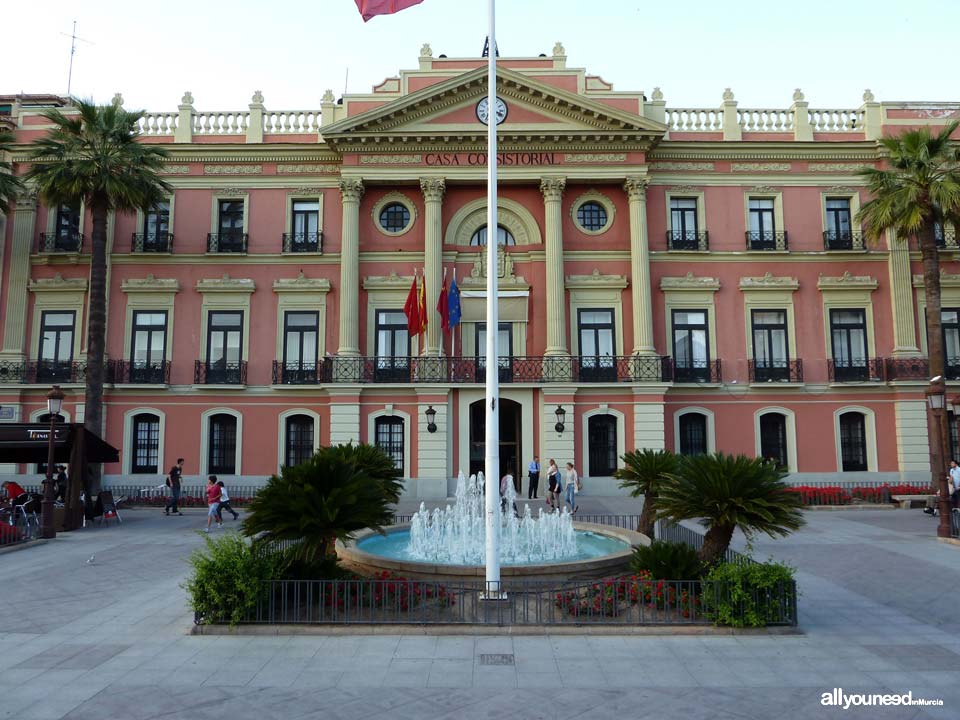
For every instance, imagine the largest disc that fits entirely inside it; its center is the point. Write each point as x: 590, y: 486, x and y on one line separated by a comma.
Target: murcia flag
x: 371, y: 8
x: 411, y: 308
x: 443, y: 307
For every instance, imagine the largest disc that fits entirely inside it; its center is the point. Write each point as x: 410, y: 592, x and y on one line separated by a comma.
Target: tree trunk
x: 96, y: 334
x: 715, y: 544
x: 648, y: 515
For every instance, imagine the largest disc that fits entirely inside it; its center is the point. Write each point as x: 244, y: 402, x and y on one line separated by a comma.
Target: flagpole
x: 492, y: 439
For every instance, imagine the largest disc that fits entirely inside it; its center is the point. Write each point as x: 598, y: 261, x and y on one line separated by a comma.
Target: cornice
x: 226, y: 284
x: 690, y: 282
x: 596, y: 280
x: 301, y: 283
x: 387, y: 282
x: 946, y: 280
x: 865, y: 151
x: 847, y: 282
x: 58, y: 284
x: 150, y: 284
x: 769, y: 281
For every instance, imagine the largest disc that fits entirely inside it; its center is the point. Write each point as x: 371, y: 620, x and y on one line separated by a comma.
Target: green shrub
x: 749, y: 595
x: 229, y: 577
x: 667, y: 561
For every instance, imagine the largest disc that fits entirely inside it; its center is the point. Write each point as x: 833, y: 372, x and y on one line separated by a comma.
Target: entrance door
x: 510, y: 451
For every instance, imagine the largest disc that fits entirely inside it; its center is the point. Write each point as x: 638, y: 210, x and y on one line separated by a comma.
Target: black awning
x: 28, y: 443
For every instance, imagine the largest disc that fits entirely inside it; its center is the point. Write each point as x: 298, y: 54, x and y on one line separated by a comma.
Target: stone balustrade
x: 234, y: 122
x: 291, y: 122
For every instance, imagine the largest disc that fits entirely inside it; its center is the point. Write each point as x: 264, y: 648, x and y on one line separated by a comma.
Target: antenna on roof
x: 346, y: 79
x: 486, y: 48
x: 73, y: 49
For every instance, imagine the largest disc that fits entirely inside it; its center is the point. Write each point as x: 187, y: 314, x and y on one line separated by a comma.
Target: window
x: 148, y: 347
x: 691, y: 350
x: 773, y: 438
x: 388, y: 436
x: 839, y: 231
x: 56, y: 347
x: 230, y: 235
x: 597, y: 345
x: 504, y: 236
x: 848, y: 335
x: 394, y: 217
x: 222, y: 452
x: 950, y: 324
x: 305, y: 226
x: 299, y: 443
x: 156, y: 226
x: 146, y: 444
x: 224, y: 347
x: 393, y: 347
x: 592, y: 216
x: 602, y: 436
x: 68, y: 225
x: 853, y: 442
x: 693, y: 434
x: 954, y: 436
x: 504, y: 351
x: 300, y: 347
x: 762, y: 232
x: 683, y: 224
x: 770, y: 351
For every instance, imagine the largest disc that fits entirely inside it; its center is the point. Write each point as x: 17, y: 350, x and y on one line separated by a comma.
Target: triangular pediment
x: 535, y: 109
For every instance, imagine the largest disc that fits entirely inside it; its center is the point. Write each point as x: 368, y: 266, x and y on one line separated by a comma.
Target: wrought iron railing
x: 946, y: 239
x: 232, y: 242
x: 680, y: 240
x: 951, y: 370
x: 60, y: 242
x: 833, y: 240
x: 151, y: 243
x: 696, y: 371
x: 775, y: 370
x: 297, y: 373
x: 123, y: 372
x: 302, y: 242
x: 855, y: 370
x: 55, y: 371
x: 220, y: 373
x: 12, y: 372
x: 766, y: 240
x: 916, y: 368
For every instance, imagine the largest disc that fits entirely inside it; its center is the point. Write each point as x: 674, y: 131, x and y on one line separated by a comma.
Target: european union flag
x: 453, y: 304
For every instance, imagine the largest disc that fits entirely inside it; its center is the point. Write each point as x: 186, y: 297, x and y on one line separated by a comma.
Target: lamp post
x: 561, y: 414
x: 54, y: 405
x: 431, y: 419
x: 936, y: 402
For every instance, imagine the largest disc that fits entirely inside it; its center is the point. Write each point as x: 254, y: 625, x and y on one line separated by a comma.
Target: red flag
x: 372, y: 8
x: 443, y: 308
x: 411, y: 308
x: 422, y: 306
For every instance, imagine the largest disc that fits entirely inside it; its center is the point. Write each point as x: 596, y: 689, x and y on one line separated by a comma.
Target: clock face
x: 483, y: 111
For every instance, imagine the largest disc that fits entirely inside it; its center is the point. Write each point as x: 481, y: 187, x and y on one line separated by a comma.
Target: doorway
x: 510, y: 434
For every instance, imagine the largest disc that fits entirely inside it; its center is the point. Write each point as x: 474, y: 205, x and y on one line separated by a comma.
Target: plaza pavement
x: 109, y: 639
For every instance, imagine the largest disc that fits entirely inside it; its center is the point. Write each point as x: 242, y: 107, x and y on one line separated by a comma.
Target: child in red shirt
x: 213, y: 502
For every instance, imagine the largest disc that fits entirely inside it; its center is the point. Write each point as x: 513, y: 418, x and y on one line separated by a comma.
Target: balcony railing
x: 220, y: 373
x: 124, y: 372
x: 916, y: 368
x: 55, y: 371
x: 855, y: 370
x: 696, y: 371
x: 833, y: 240
x: 946, y: 239
x: 60, y: 242
x: 679, y: 240
x: 302, y: 242
x: 151, y: 243
x: 766, y: 240
x: 228, y: 242
x: 297, y: 373
x: 775, y: 370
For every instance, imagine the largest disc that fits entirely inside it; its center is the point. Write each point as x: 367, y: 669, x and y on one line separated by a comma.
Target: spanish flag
x: 372, y: 8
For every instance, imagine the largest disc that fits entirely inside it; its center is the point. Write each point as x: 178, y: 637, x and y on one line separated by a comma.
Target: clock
x: 483, y: 110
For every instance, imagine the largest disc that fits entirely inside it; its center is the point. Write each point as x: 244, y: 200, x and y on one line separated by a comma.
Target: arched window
x: 773, y: 438
x: 693, y: 434
x: 222, y: 447
x: 853, y: 442
x: 504, y: 236
x: 145, y: 444
x: 299, y: 439
x: 602, y: 435
x: 388, y: 436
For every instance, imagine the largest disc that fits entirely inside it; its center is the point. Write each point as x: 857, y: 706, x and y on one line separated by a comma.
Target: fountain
x: 449, y: 542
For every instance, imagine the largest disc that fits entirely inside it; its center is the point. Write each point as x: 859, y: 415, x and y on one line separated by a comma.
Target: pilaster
x: 184, y: 130
x: 559, y: 446
x: 552, y: 189
x: 636, y: 189
x: 801, y: 117
x: 872, y: 116
x: 731, y: 125
x: 351, y: 190
x: 432, y: 456
x: 648, y: 423
x: 344, y: 417
x: 433, y: 189
x: 255, y: 125
x: 15, y: 320
x: 901, y: 298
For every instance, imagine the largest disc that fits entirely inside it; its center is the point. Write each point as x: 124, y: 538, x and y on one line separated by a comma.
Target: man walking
x: 173, y: 482
x: 533, y: 472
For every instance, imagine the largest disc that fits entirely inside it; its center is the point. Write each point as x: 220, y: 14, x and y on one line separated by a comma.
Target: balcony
x: 678, y: 240
x: 227, y: 242
x: 54, y: 371
x: 151, y: 243
x: 220, y: 373
x: 57, y: 242
x: 297, y: 373
x: 946, y: 239
x: 855, y: 370
x: 303, y: 242
x: 123, y: 372
x: 833, y: 240
x: 766, y: 240
x: 768, y: 371
x: 915, y: 368
x: 697, y: 371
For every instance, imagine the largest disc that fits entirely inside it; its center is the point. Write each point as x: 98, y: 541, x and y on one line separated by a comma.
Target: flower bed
x: 839, y: 495
x: 611, y: 596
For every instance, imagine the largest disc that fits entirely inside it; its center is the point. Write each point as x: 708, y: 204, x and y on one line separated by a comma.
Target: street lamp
x: 561, y: 414
x: 54, y: 405
x: 936, y: 402
x: 431, y: 417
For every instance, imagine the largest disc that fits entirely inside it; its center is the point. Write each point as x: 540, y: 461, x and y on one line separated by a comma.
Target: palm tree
x: 92, y: 156
x: 726, y: 492
x: 642, y: 474
x: 10, y: 184
x: 340, y: 490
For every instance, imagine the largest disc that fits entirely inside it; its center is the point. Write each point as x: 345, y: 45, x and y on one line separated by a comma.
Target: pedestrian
x: 533, y: 472
x: 224, y: 504
x: 572, y: 487
x: 553, y: 485
x: 213, y: 502
x: 60, y: 484
x: 954, y: 484
x: 173, y: 482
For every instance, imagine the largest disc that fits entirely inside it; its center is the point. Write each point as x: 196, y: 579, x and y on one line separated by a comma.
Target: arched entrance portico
x: 511, y: 451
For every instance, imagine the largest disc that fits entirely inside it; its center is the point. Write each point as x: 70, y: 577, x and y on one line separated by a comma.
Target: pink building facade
x: 693, y: 279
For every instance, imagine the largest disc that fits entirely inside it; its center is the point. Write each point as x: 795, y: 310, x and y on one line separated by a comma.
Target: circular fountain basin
x: 602, y: 551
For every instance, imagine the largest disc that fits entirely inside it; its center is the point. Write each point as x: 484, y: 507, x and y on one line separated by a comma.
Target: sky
x: 293, y: 50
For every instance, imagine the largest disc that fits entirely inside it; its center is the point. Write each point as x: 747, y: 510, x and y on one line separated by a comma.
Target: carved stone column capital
x: 636, y: 187
x: 552, y: 188
x: 351, y: 189
x: 433, y: 188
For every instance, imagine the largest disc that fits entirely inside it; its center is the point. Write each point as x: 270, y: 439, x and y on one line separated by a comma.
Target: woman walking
x: 572, y: 487
x: 553, y: 485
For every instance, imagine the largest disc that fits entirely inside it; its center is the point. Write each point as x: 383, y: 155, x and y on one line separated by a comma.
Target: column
x: 552, y: 189
x: 636, y: 188
x: 433, y: 189
x: 351, y: 190
x: 15, y: 322
x: 901, y: 299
